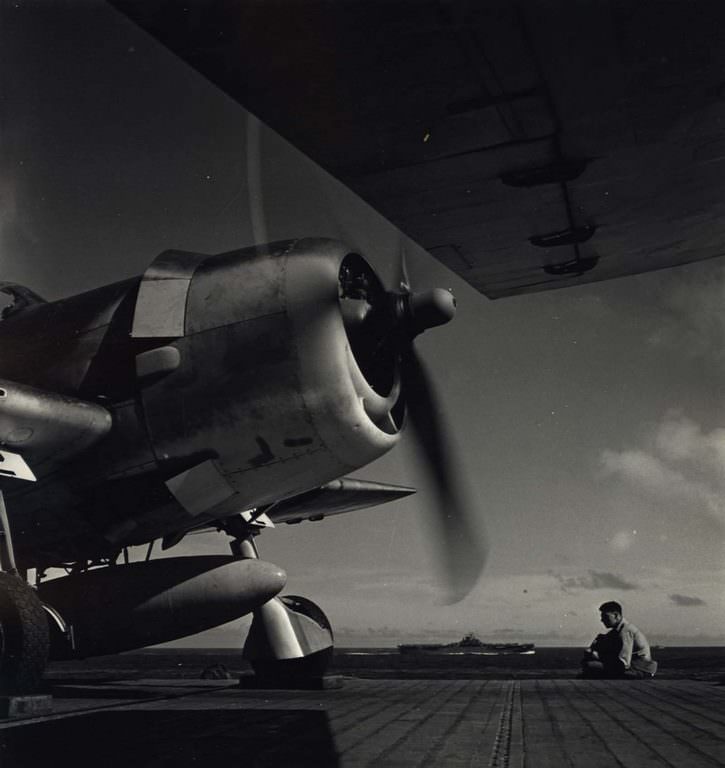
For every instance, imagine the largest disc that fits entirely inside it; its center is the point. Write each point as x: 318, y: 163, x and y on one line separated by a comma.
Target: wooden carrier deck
x: 492, y: 723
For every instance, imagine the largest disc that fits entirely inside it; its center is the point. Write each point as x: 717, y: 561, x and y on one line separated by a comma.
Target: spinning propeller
x: 387, y: 322
x: 382, y: 326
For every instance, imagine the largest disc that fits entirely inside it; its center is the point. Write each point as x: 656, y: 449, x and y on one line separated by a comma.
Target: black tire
x: 23, y: 637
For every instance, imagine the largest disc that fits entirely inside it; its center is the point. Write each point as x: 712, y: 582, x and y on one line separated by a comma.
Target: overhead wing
x: 527, y: 145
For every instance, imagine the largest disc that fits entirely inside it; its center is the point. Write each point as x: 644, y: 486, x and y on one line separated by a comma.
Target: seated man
x: 621, y: 652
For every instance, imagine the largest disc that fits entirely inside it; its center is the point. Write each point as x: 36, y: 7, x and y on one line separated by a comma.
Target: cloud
x: 681, y: 463
x: 692, y: 312
x: 595, y: 580
x: 680, y: 439
x: 685, y: 601
x: 622, y: 540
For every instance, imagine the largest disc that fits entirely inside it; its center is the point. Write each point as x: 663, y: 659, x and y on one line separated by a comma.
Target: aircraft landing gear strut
x: 290, y: 641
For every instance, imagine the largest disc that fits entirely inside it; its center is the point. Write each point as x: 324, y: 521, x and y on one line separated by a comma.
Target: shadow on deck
x: 495, y: 723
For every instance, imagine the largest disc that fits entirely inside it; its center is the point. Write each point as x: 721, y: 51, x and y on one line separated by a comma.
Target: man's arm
x: 641, y: 646
x: 625, y: 655
x: 594, y: 647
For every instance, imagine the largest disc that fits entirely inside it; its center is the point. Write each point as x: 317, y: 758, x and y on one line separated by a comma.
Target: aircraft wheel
x: 23, y: 637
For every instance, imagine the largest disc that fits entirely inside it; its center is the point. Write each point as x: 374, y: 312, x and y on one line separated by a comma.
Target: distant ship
x: 470, y: 645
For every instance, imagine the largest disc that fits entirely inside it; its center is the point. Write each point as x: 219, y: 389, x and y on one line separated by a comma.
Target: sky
x: 589, y: 421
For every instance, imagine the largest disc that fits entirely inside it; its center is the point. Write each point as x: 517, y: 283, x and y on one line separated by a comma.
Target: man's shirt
x: 634, y: 643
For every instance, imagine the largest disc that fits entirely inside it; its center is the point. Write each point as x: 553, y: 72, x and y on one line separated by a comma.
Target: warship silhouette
x: 469, y: 645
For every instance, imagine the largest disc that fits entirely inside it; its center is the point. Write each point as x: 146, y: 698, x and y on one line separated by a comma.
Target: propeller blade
x: 463, y: 546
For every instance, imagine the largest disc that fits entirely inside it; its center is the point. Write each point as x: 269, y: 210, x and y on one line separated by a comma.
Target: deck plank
x: 551, y: 723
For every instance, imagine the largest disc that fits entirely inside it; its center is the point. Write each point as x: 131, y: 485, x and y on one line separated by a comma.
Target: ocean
x: 695, y: 662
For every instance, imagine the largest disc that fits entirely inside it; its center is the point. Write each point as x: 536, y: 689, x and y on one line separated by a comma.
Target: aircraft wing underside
x: 527, y: 146
x: 346, y: 494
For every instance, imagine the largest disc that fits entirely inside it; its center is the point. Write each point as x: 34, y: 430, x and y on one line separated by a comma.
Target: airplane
x: 236, y: 391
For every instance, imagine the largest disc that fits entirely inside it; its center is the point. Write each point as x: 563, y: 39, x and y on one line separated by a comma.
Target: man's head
x: 611, y: 613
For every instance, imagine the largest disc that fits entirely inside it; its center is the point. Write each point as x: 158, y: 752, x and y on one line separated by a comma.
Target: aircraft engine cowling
x: 275, y: 383
x: 119, y: 608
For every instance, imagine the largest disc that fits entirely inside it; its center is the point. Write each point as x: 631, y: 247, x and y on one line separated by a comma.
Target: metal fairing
x: 161, y: 302
x: 157, y: 601
x: 267, y: 382
x: 260, y: 399
x: 48, y: 428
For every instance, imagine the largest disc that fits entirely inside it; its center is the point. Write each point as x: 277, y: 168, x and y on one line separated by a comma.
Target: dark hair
x: 612, y: 605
